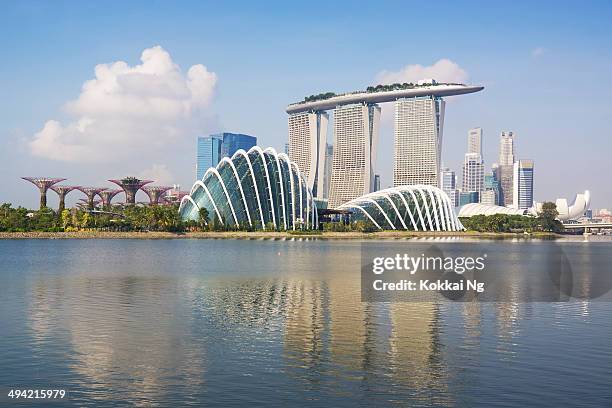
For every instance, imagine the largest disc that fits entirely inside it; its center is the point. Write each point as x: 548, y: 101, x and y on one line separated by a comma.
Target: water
x: 279, y: 323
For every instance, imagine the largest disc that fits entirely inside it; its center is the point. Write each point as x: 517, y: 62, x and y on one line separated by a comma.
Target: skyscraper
x: 232, y: 142
x: 448, y: 184
x: 307, y: 147
x: 506, y: 168
x: 475, y: 141
x: 355, y: 140
x: 418, y: 140
x: 523, y: 184
x: 491, y: 193
x: 506, y: 149
x: 209, y: 153
x: 473, y: 173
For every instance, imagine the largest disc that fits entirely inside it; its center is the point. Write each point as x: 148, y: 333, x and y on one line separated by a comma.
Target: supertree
x: 91, y: 193
x: 155, y: 193
x: 43, y: 184
x: 130, y: 185
x: 62, y: 191
x: 107, y: 197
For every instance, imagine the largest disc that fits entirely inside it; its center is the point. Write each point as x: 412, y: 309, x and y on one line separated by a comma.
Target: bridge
x: 589, y: 225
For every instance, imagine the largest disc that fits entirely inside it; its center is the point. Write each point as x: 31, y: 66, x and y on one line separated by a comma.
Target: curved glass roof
x: 259, y: 188
x: 413, y: 208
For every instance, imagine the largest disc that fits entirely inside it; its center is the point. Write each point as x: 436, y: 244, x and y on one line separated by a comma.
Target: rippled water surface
x: 279, y: 323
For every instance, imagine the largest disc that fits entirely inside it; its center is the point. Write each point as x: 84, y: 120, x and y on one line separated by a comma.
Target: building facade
x: 209, y: 153
x: 506, y: 168
x: 307, y: 147
x: 329, y: 156
x: 418, y: 140
x: 523, y: 184
x: 354, y: 158
x: 232, y: 142
x: 491, y: 193
x: 475, y: 141
x: 448, y: 184
x: 473, y: 173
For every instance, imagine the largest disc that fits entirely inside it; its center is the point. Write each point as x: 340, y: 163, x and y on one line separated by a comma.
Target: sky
x: 96, y: 90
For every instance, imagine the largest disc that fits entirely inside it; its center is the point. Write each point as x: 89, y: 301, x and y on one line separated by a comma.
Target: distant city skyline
x: 62, y: 124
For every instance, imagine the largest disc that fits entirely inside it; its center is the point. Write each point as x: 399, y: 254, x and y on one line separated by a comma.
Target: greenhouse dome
x: 260, y: 189
x: 414, y: 208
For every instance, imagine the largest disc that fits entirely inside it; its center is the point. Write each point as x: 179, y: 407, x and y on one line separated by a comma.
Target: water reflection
x: 283, y: 322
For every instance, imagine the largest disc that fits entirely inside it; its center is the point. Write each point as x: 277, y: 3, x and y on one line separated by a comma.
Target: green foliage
x: 319, y: 97
x: 548, y: 217
x: 132, y: 218
x: 514, y: 223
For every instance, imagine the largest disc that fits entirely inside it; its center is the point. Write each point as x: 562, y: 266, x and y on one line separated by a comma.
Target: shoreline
x: 272, y: 235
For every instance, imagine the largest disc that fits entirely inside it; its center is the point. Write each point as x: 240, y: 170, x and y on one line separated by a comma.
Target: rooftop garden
x: 372, y: 89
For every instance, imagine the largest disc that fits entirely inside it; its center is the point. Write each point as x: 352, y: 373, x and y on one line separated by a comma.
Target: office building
x: 506, y: 168
x: 468, y: 197
x: 307, y: 147
x: 523, y: 184
x: 491, y: 193
x: 487, y: 197
x: 475, y: 141
x: 209, y: 153
x: 418, y: 140
x: 355, y: 141
x: 473, y: 173
x: 448, y: 184
x: 232, y: 142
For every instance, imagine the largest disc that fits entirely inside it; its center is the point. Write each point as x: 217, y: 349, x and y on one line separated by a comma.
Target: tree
x: 548, y: 217
x: 203, y: 213
x: 66, y: 218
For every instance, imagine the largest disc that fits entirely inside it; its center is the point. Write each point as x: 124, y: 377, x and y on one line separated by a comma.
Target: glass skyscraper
x: 211, y: 149
x: 523, y: 184
x: 232, y: 142
x: 209, y: 153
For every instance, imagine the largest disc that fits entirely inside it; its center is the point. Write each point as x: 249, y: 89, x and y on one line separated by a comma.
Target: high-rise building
x: 475, y: 141
x: 209, y: 153
x: 448, y: 184
x: 376, y: 182
x: 468, y: 197
x: 354, y: 160
x: 523, y: 184
x: 232, y: 142
x: 491, y: 193
x: 473, y: 173
x: 419, y: 119
x: 418, y: 140
x: 487, y: 197
x: 506, y: 168
x: 307, y: 146
x: 506, y: 149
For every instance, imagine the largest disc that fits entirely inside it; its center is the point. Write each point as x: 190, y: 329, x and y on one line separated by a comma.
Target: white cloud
x: 444, y: 70
x: 127, y: 110
x: 538, y: 52
x: 159, y: 173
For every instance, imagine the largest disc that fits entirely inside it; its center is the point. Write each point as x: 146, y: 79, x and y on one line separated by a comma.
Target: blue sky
x: 546, y: 68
